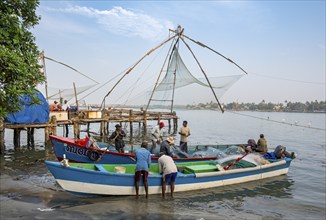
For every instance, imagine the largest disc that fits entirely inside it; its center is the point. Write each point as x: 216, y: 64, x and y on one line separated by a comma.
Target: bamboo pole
x: 130, y: 124
x: 131, y: 68
x: 46, y: 79
x: 203, y: 45
x: 209, y: 83
x: 102, y: 133
x: 76, y: 129
x: 46, y: 134
x: 16, y: 137
x: 175, y: 123
x: 145, y: 123
x: 76, y: 96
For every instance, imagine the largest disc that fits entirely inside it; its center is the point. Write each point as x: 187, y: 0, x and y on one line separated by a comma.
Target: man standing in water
x: 143, y: 161
x: 184, y: 132
x: 169, y: 171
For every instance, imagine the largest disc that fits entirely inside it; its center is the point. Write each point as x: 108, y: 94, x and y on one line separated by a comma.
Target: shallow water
x: 29, y: 191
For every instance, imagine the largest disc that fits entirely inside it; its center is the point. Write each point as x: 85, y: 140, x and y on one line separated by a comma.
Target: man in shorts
x: 169, y: 171
x: 143, y: 161
x: 184, y: 132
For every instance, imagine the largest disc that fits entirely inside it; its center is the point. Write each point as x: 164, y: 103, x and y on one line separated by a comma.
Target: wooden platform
x: 87, y: 117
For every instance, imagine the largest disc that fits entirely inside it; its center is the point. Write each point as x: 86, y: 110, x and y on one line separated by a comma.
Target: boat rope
x: 71, y: 68
x: 132, y: 67
x: 133, y: 87
x: 205, y: 46
x: 202, y: 70
x: 275, y: 121
x: 104, y: 84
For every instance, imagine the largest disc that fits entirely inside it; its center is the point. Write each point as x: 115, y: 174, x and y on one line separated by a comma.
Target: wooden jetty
x: 87, y: 117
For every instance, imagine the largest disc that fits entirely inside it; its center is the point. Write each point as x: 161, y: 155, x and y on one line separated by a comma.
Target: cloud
x: 124, y: 22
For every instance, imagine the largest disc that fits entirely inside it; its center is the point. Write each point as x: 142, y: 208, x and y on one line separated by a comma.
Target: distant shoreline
x: 95, y: 107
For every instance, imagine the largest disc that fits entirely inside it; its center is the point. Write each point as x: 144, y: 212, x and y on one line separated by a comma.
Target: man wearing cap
x: 169, y: 171
x: 117, y: 136
x: 157, y: 137
x: 165, y: 146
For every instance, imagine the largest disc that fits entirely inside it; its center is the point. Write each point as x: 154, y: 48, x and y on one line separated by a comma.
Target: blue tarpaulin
x: 31, y: 113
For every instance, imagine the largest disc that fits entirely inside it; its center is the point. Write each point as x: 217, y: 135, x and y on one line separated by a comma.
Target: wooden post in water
x: 76, y: 129
x: 88, y: 128
x: 103, y: 130
x: 46, y: 133
x: 158, y: 117
x: 66, y: 129
x: 107, y: 122
x: 30, y: 136
x: 2, y: 136
x: 16, y: 137
x: 145, y: 124
x: 53, y: 125
x: 175, y: 122
x: 130, y: 124
x: 169, y: 123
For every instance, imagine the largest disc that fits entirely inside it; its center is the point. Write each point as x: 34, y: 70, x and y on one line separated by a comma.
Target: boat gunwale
x: 180, y: 174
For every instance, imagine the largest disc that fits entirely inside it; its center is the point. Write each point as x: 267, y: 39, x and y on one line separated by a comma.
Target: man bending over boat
x: 165, y: 146
x: 143, y: 161
x: 169, y: 171
x: 117, y: 136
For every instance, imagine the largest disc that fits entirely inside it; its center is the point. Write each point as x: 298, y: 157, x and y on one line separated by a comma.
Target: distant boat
x: 75, y: 150
x: 104, y: 179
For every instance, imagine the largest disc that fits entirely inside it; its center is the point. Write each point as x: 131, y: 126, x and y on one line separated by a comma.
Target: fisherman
x: 65, y: 106
x: 262, y: 144
x: 184, y: 132
x: 252, y: 146
x: 280, y: 152
x: 53, y: 106
x: 169, y: 171
x: 117, y: 137
x: 165, y: 146
x: 157, y: 137
x: 143, y: 161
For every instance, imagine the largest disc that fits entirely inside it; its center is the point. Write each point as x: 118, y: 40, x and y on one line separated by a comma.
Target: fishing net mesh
x: 178, y: 76
x: 66, y: 94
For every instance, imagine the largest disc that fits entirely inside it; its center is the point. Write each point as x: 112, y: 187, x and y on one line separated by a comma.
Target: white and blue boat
x: 107, y: 179
x: 76, y: 150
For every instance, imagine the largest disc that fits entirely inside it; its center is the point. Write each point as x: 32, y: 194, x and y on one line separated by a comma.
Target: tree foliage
x: 19, y: 69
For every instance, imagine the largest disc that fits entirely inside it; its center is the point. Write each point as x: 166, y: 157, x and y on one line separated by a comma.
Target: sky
x: 280, y: 44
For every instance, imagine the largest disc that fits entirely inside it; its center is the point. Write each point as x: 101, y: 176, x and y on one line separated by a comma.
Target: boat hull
x: 102, y: 182
x: 77, y: 152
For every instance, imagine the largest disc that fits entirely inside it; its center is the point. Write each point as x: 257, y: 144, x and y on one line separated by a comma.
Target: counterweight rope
x: 280, y: 122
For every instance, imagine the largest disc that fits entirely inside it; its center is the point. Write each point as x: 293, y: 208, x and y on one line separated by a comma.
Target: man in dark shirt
x: 165, y: 146
x: 117, y: 136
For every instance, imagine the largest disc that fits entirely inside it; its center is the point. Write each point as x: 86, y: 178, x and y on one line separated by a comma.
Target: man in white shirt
x: 157, y: 137
x: 65, y: 106
x: 169, y: 171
